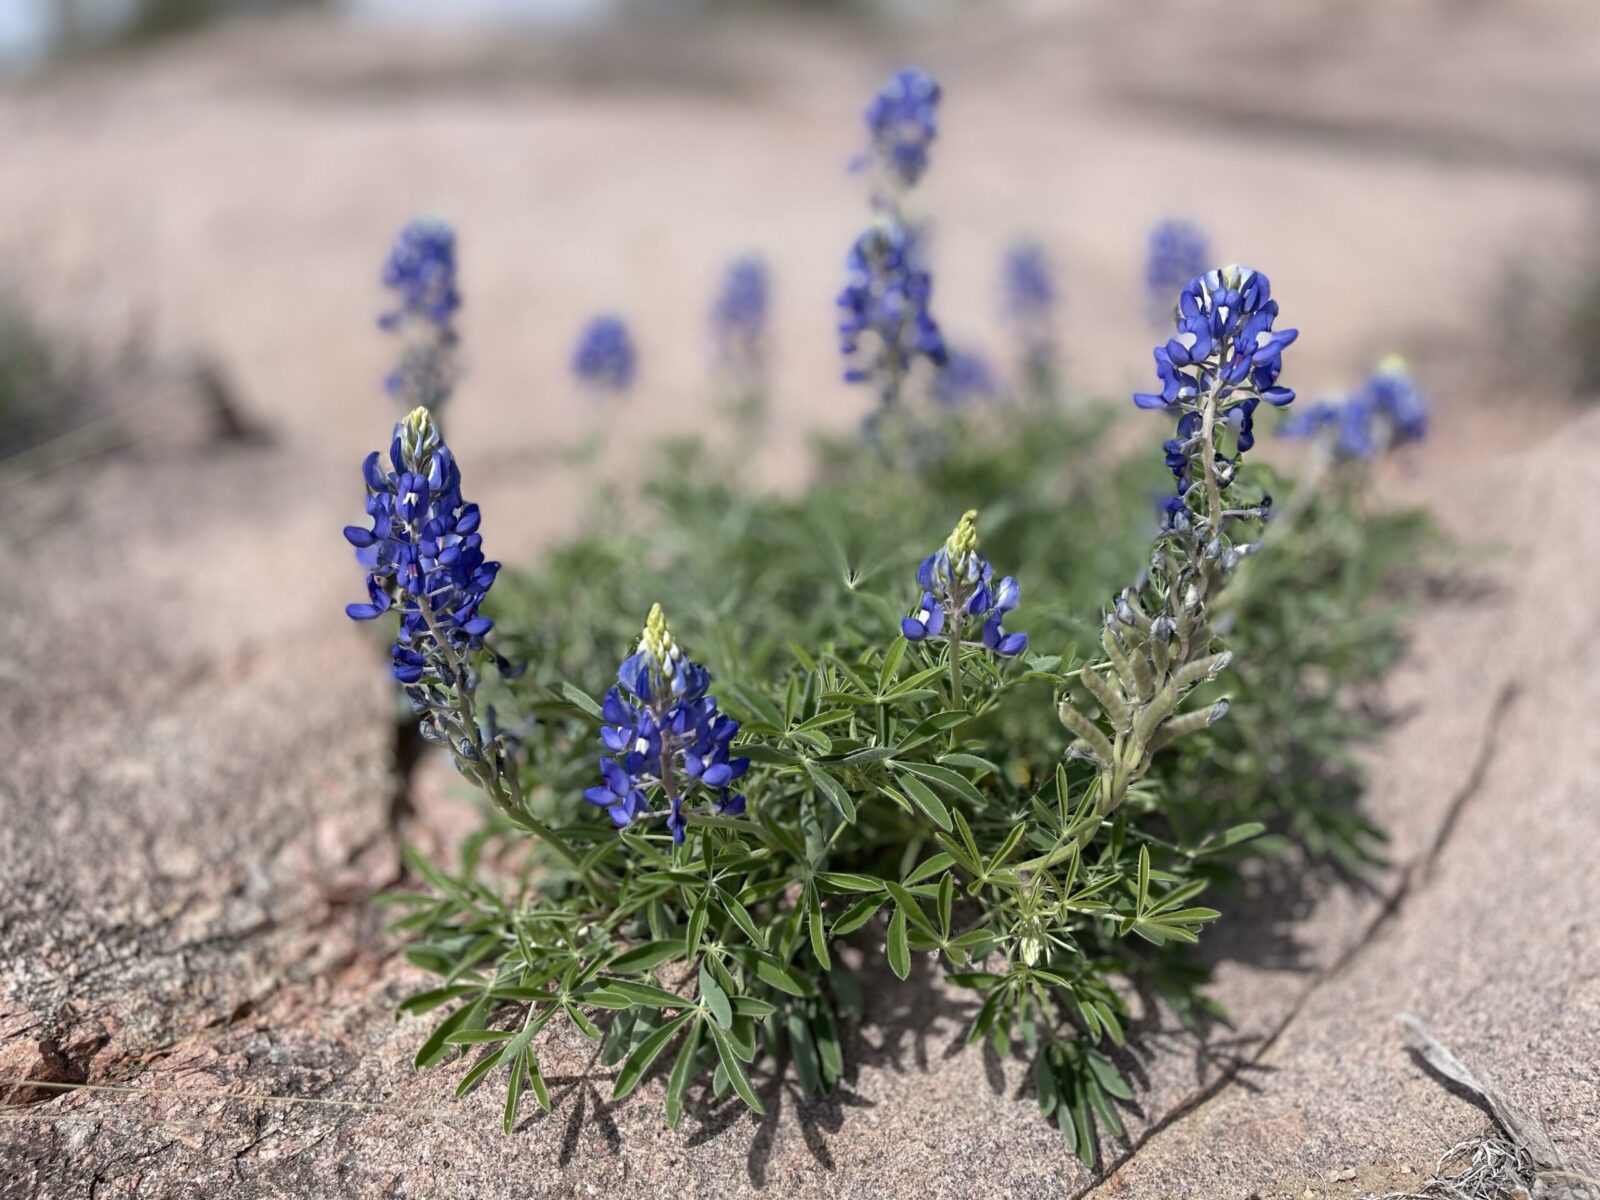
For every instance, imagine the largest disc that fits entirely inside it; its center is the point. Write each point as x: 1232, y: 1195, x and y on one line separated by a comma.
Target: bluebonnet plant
x: 662, y: 730
x: 885, y: 324
x: 958, y: 586
x: 604, y: 358
x: 1387, y: 412
x: 739, y: 314
x: 1177, y: 252
x: 1158, y: 638
x: 425, y: 562
x: 421, y: 272
x: 902, y: 121
x: 1029, y: 297
x: 966, y: 378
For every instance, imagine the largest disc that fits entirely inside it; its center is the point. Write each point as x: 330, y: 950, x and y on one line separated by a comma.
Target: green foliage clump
x: 899, y: 801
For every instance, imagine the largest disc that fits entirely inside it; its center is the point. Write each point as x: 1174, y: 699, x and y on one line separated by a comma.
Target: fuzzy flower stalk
x: 420, y: 272
x: 885, y: 320
x: 662, y: 734
x: 1158, y: 638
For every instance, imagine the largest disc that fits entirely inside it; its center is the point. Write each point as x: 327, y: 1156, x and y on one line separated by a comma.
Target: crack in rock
x: 1414, y: 876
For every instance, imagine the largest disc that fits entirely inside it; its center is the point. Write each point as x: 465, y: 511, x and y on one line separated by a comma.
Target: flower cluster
x: 604, y: 358
x: 1386, y: 413
x: 884, y: 322
x: 1028, y: 289
x: 421, y: 272
x: 902, y: 121
x: 739, y: 314
x: 662, y: 730
x: 957, y: 586
x: 1178, y: 251
x: 1224, y: 361
x: 423, y: 554
x: 967, y: 378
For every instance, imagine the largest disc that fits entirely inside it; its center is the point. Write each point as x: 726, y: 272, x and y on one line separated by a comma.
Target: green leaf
x: 513, y: 1094
x: 850, y: 883
x: 819, y: 934
x: 1231, y: 837
x: 898, y: 951
x: 481, y: 1068
x: 682, y: 1072
x: 777, y: 975
x: 947, y: 892
x: 716, y: 999
x: 891, y: 663
x: 922, y: 796
x: 645, y: 957
x: 734, y: 1068
x: 436, y: 1047
x: 474, y: 1037
x: 541, y: 1093
x: 834, y: 790
x: 930, y: 868
x: 427, y: 1001
x: 581, y: 699
x: 857, y: 915
x: 646, y: 993
x: 697, y: 925
x: 952, y: 782
x: 749, y: 1006
x: 807, y: 1064
x: 907, y: 904
x: 648, y: 1051
x: 741, y: 918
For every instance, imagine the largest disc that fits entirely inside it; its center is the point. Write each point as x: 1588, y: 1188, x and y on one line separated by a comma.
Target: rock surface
x: 199, y: 786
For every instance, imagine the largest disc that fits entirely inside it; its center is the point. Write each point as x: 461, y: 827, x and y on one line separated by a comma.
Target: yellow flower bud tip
x: 963, y: 540
x: 419, y: 435
x: 1393, y: 364
x: 657, y: 641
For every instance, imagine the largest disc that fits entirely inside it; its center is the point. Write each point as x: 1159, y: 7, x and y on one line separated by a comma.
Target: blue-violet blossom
x: 966, y: 378
x: 421, y: 272
x: 957, y: 586
x: 884, y: 320
x: 902, y: 121
x: 1388, y: 411
x: 423, y: 554
x: 1226, y: 356
x: 604, y: 358
x: 1177, y: 252
x: 662, y: 729
x: 739, y: 313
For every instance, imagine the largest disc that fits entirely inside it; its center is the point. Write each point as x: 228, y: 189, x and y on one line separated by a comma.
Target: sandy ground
x: 196, y: 790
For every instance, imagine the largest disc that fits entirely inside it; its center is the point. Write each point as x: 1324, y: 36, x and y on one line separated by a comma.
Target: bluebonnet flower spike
x: 884, y: 320
x: 1223, y: 362
x: 1385, y: 413
x: 739, y: 314
x: 423, y: 553
x: 1177, y: 252
x: 421, y: 272
x: 965, y: 379
x: 902, y: 121
x: 604, y: 358
x: 958, y: 586
x: 661, y: 730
